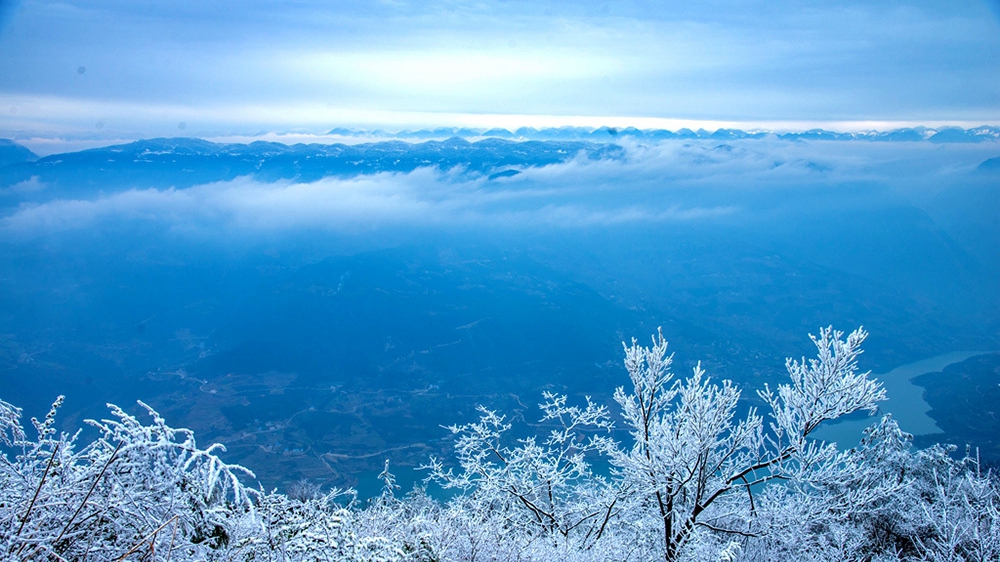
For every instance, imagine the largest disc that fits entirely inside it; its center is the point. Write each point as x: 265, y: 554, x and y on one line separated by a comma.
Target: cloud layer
x: 658, y: 183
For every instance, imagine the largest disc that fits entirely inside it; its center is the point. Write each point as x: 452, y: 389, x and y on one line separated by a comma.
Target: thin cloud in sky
x: 235, y: 67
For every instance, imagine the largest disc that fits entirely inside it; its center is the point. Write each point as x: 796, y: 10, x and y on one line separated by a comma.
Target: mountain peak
x: 14, y: 153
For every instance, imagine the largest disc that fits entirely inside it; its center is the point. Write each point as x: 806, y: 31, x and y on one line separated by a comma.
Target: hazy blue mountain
x: 183, y: 162
x: 816, y: 134
x: 963, y: 399
x: 605, y: 134
x: 498, y: 133
x: 957, y: 134
x: 991, y: 165
x: 13, y: 153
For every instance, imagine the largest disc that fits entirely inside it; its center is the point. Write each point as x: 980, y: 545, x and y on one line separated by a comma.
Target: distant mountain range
x: 604, y: 134
x: 498, y: 153
x: 183, y: 162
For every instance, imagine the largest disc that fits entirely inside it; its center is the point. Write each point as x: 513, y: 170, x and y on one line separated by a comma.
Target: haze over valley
x: 320, y: 308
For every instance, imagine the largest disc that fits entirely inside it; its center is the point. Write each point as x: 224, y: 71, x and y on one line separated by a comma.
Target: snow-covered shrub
x: 147, y: 491
x: 136, y: 488
x: 315, y: 529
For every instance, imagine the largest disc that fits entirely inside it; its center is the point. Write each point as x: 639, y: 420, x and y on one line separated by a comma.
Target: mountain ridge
x: 984, y: 133
x: 184, y: 162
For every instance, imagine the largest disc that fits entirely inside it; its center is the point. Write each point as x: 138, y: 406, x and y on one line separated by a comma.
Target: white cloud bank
x: 651, y: 183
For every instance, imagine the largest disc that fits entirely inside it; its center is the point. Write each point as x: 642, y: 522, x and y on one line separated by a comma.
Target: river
x: 905, y: 401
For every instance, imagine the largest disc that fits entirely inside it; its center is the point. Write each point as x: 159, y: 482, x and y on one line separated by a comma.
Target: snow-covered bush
x: 149, y: 492
x: 136, y: 488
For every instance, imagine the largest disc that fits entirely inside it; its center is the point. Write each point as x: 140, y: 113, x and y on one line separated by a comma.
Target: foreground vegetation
x: 699, y: 478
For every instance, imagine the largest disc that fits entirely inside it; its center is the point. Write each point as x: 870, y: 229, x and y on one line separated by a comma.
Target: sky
x: 122, y: 69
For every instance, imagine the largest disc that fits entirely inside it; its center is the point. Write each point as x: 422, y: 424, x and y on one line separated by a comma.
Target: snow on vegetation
x: 698, y: 478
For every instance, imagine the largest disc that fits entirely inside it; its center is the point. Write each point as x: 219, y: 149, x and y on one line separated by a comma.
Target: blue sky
x: 116, y: 68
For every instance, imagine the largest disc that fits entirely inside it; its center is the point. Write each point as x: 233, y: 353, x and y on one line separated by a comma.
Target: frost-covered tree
x: 543, y: 486
x: 690, y: 454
